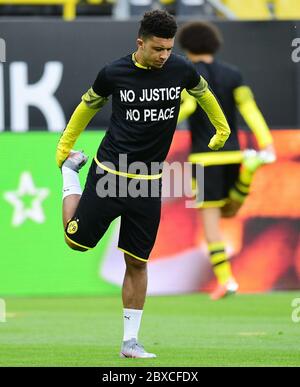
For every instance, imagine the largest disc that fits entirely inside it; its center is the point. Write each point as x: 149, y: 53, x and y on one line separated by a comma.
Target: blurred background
x: 50, y: 54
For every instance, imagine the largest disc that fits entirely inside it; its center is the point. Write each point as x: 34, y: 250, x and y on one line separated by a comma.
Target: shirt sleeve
x: 238, y: 80
x: 102, y: 86
x: 192, y: 78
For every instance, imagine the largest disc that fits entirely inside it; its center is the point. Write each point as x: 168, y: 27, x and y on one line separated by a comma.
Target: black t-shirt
x: 145, y: 106
x: 223, y: 79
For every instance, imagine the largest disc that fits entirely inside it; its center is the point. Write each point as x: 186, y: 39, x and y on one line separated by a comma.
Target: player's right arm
x: 188, y: 105
x: 212, y: 108
x: 91, y: 102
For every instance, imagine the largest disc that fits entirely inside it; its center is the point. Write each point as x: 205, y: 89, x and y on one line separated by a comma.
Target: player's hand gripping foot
x: 131, y: 348
x: 252, y: 160
x: 75, y: 161
x: 221, y: 291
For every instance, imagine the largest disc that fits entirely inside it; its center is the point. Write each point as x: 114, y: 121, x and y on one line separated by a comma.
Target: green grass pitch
x: 186, y: 330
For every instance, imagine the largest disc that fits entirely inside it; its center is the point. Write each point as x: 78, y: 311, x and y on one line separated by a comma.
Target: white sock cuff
x: 132, y: 321
x: 137, y: 312
x: 71, y: 183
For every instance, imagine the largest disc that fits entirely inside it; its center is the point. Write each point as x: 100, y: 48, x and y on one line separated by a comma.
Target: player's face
x: 155, y: 51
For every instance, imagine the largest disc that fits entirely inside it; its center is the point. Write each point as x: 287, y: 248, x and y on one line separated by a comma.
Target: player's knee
x: 75, y: 247
x: 134, y: 263
x: 228, y: 213
x: 231, y: 209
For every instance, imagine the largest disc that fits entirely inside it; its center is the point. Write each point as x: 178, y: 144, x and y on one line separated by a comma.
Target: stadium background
x: 47, y: 69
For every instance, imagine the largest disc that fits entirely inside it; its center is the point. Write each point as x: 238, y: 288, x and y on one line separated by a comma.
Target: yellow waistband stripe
x: 124, y: 174
x: 216, y: 158
x: 132, y: 255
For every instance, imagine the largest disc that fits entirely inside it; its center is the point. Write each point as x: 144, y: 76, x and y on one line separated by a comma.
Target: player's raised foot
x: 267, y: 156
x: 223, y: 290
x: 75, y: 161
x: 132, y: 349
x: 252, y: 160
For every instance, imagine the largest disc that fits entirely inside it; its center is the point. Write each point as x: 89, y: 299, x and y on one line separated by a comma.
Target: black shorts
x: 140, y: 216
x: 218, y: 180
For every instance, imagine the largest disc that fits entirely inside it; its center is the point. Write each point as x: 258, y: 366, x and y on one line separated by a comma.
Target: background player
x: 145, y: 88
x: 226, y: 181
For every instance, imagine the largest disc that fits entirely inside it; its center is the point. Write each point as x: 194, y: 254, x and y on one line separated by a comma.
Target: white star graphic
x: 27, y: 187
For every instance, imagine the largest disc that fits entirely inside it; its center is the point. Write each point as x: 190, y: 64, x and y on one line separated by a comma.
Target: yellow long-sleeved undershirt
x: 91, y: 103
x: 246, y: 105
x: 187, y: 107
x: 253, y: 117
x: 212, y: 108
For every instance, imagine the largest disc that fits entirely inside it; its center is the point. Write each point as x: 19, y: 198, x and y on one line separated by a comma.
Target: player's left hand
x: 217, y: 142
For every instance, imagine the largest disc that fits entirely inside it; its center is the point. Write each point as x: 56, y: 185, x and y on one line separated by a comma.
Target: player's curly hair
x: 158, y: 23
x: 200, y: 38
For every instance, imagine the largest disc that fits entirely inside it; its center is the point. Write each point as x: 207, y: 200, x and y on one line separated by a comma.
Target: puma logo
x: 128, y: 317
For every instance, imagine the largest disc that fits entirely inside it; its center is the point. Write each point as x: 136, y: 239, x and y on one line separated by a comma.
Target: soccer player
x: 145, y: 88
x: 226, y: 178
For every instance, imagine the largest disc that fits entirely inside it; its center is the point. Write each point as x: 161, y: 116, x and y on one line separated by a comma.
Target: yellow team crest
x: 72, y: 227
